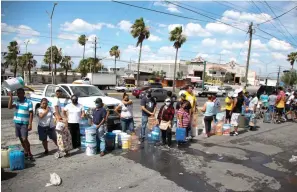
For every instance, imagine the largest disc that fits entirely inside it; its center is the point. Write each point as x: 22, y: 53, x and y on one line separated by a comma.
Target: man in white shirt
x: 57, y: 105
x: 252, y: 109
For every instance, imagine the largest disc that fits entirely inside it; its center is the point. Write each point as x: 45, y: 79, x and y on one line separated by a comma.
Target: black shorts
x: 279, y: 110
x: 228, y: 114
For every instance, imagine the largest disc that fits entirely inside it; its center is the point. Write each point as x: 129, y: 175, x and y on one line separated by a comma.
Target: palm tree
x: 114, y: 51
x: 178, y: 38
x: 57, y: 57
x: 66, y: 64
x: 82, y: 40
x: 12, y: 55
x: 140, y: 31
x: 292, y: 57
x: 21, y: 60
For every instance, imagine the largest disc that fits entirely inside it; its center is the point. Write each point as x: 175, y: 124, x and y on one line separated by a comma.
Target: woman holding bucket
x: 126, y: 114
x: 208, y: 109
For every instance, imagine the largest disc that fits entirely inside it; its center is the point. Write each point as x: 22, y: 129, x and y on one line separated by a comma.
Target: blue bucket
x: 110, y: 141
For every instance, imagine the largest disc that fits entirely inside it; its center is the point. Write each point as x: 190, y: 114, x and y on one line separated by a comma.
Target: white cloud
x: 279, y: 45
x: 79, y: 25
x: 218, y: 28
x: 167, y: 50
x: 68, y: 36
x: 125, y: 25
x: 256, y: 55
x: 162, y: 25
x: 135, y: 50
x: 256, y: 44
x: 170, y: 7
x: 191, y: 29
x: 21, y: 41
x: 234, y: 45
x: 154, y: 38
x: 209, y: 42
x: 243, y: 16
x: 232, y: 59
x: 91, y: 37
x: 203, y: 55
x: 225, y: 52
x: 195, y: 29
x: 278, y: 56
x: 21, y: 30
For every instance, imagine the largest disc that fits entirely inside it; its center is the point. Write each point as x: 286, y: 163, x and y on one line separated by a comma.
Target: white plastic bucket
x: 120, y: 137
x: 91, y: 135
x: 117, y: 133
x: 91, y: 149
x: 126, y: 141
x: 13, y: 83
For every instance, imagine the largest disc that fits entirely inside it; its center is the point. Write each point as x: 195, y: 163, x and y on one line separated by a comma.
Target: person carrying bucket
x: 99, y: 118
x: 23, y: 118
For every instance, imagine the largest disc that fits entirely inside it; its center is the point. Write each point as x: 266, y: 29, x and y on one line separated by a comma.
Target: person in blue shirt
x: 23, y: 117
x: 264, y: 99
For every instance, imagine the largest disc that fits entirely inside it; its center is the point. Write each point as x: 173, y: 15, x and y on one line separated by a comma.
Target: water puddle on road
x: 169, y: 164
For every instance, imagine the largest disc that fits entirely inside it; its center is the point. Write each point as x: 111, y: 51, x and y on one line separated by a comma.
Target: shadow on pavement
x: 7, y: 175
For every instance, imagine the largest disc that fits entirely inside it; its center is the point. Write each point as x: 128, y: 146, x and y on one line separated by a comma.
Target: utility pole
x: 26, y: 42
x: 51, y: 65
x: 204, y: 69
x: 95, y: 56
x: 250, y: 31
x: 277, y: 82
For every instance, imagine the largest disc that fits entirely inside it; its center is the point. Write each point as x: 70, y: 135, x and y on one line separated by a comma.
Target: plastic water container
x: 226, y: 129
x: 134, y: 142
x: 110, y: 141
x: 126, y: 142
x: 150, y: 139
x: 16, y: 160
x: 91, y: 149
x: 120, y: 136
x: 219, y: 128
x: 91, y: 134
x: 156, y: 133
x: 117, y: 133
x: 13, y: 83
x: 5, y: 158
x: 83, y: 142
x: 180, y: 134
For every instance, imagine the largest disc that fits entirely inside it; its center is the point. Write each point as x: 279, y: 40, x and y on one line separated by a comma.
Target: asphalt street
x: 253, y: 161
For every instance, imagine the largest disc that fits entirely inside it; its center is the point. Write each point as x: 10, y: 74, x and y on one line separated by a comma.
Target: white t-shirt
x: 253, y: 102
x: 74, y: 112
x: 291, y: 98
x: 47, y: 120
x: 127, y: 111
x: 56, y: 102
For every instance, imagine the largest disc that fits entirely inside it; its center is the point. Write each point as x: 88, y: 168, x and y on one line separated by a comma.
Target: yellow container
x: 5, y: 158
x: 126, y: 141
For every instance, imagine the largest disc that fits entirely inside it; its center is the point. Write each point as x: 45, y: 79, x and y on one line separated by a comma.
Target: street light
x: 51, y: 18
x: 26, y: 43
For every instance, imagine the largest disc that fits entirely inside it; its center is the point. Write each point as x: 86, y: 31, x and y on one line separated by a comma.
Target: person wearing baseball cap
x: 238, y: 102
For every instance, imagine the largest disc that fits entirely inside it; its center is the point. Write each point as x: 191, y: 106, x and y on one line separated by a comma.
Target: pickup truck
x: 125, y: 88
x: 87, y: 94
x: 211, y: 90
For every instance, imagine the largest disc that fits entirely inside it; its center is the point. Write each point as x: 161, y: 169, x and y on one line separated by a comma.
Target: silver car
x: 5, y: 97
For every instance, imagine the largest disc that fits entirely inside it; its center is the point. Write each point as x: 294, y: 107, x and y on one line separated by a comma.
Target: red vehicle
x: 136, y: 92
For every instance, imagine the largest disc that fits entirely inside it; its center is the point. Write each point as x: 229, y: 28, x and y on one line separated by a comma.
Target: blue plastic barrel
x: 180, y: 134
x: 83, y: 142
x: 16, y: 160
x: 110, y: 141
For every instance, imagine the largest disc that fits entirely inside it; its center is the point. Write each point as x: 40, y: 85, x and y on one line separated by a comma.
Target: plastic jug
x: 13, y: 83
x: 134, y: 142
x: 5, y: 158
x: 156, y: 133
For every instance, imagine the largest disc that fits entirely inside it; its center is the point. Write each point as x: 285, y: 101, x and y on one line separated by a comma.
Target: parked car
x: 226, y: 88
x: 211, y: 90
x: 87, y: 94
x: 155, y: 85
x: 125, y: 88
x: 137, y: 91
x: 159, y: 94
x: 5, y: 97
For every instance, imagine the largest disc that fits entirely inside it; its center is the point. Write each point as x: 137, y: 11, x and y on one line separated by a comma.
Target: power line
x: 280, y: 20
x: 273, y: 24
x: 278, y: 16
x: 153, y: 10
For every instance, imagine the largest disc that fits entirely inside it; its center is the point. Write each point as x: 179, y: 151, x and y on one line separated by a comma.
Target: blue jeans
x: 101, y: 138
x: 127, y: 124
x: 144, y: 121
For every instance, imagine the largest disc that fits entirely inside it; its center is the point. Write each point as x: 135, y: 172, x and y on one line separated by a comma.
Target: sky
x: 205, y: 29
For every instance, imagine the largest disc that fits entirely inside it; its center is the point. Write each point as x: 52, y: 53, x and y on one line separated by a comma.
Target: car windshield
x: 86, y: 91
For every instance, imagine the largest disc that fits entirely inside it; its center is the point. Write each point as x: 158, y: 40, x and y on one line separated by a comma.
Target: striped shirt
x: 185, y: 118
x: 22, y: 111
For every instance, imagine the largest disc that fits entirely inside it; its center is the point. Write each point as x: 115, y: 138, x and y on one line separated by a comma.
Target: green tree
x: 178, y: 38
x: 114, y: 51
x: 21, y: 60
x: 66, y: 64
x: 141, y: 32
x: 290, y: 78
x: 82, y: 40
x: 12, y: 56
x: 292, y: 57
x: 30, y: 63
x: 57, y: 57
x: 85, y: 64
x: 83, y: 67
x: 228, y: 77
x: 44, y: 68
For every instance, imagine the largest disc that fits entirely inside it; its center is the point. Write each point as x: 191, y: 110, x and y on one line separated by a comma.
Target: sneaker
x: 31, y: 158
x: 45, y: 152
x: 102, y: 154
x: 236, y: 133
